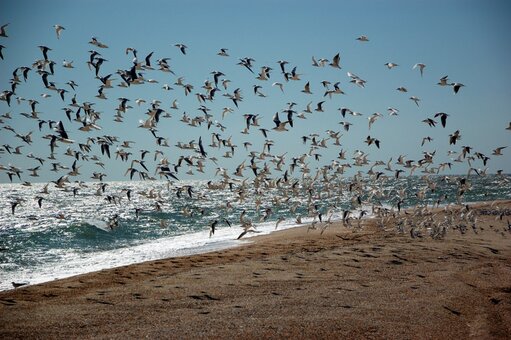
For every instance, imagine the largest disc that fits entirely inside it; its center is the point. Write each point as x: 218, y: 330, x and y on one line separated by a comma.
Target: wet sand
x: 344, y: 283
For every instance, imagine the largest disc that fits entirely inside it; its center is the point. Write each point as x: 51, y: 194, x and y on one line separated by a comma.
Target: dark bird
x: 14, y: 205
x: 19, y: 284
x: 212, y: 227
x: 443, y: 118
x: 61, y: 131
x: 456, y: 87
x: 3, y: 32
x: 182, y: 47
x: 45, y: 50
x: 454, y: 137
x: 319, y: 107
x: 201, y: 148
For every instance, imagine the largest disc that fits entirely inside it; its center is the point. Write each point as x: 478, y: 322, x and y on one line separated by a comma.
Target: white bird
x: 421, y: 67
x: 67, y: 64
x: 391, y: 65
x: 415, y: 99
x: 392, y: 111
x: 443, y: 81
x: 280, y: 85
x: 58, y: 30
x: 362, y: 38
x: 373, y: 118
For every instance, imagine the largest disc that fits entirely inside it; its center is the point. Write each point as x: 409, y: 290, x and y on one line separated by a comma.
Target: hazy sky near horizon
x: 465, y: 40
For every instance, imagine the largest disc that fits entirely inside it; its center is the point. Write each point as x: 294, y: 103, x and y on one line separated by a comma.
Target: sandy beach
x: 344, y: 283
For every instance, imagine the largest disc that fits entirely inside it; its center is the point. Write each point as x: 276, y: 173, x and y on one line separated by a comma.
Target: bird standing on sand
x: 19, y: 284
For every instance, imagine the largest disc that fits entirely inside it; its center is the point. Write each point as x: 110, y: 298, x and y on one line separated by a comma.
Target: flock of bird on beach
x: 78, y: 130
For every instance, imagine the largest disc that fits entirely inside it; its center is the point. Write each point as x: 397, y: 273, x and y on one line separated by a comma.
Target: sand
x: 344, y: 283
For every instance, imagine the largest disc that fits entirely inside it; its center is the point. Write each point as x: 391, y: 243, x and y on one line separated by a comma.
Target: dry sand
x: 367, y: 283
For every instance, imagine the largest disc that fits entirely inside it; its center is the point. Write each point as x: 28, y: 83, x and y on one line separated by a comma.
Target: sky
x: 464, y: 40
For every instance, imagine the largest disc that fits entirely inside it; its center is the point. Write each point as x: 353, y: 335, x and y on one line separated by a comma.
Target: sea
x: 97, y: 226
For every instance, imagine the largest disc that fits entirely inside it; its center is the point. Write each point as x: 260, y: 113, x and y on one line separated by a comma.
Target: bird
x: 454, y: 137
x: 68, y: 64
x: 182, y: 47
x: 280, y: 220
x: 279, y: 125
x: 444, y: 81
x: 373, y: 118
x: 415, y: 100
x: 392, y: 111
x: 319, y: 106
x: 420, y: 66
x: 19, y: 284
x: 363, y: 38
x: 443, y: 117
x: 498, y: 151
x: 94, y: 41
x: 306, y: 88
x: 14, y: 204
x: 58, y: 30
x: 336, y: 61
x: 456, y: 87
x: 45, y: 50
x: 3, y: 32
x: 370, y: 140
x: 223, y: 52
x: 212, y: 227
x: 279, y: 85
x: 391, y: 65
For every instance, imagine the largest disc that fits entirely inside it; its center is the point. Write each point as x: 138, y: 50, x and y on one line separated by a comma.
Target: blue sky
x: 465, y: 40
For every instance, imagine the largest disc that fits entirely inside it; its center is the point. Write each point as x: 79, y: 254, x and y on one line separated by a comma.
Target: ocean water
x: 69, y: 233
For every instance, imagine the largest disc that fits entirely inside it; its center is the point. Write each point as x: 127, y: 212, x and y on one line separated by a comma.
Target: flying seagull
x: 58, y: 30
x: 421, y: 67
x: 182, y: 47
x: 456, y: 87
x: 3, y: 32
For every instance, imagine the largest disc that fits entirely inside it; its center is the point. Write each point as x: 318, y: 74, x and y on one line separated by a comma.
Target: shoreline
x: 344, y: 282
x: 215, y: 245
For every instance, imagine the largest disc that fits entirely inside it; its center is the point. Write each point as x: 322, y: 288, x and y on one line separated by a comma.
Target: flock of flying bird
x: 78, y: 129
